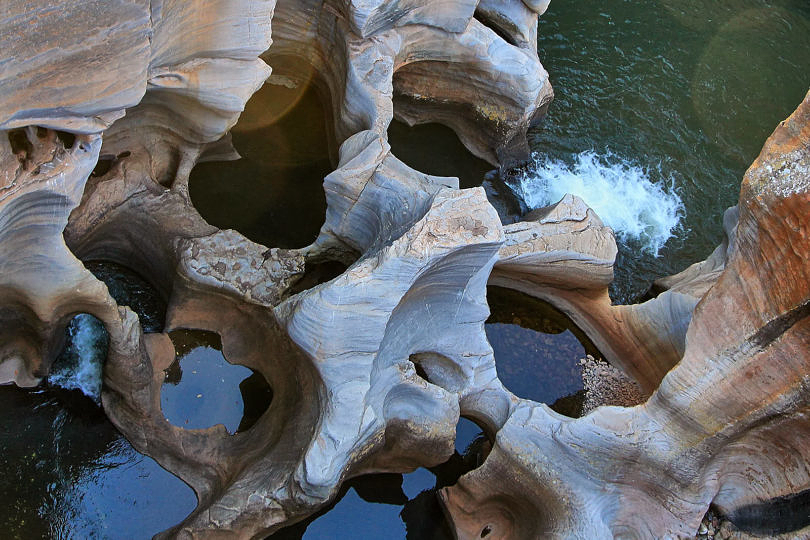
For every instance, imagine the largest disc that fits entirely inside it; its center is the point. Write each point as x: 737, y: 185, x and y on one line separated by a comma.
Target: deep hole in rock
x: 436, y: 149
x: 317, y: 273
x: 20, y: 144
x: 537, y: 350
x: 128, y: 288
x: 202, y: 389
x: 274, y: 193
x: 395, y: 505
x: 68, y: 139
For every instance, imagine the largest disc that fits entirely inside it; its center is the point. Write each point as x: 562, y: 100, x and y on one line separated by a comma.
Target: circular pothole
x: 436, y: 149
x: 273, y: 194
x: 538, y: 350
x: 202, y: 389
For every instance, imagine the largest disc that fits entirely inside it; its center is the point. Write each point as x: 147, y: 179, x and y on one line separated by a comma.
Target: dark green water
x: 687, y: 89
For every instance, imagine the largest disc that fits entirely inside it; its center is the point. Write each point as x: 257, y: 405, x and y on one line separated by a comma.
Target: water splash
x: 620, y: 192
x: 79, y: 366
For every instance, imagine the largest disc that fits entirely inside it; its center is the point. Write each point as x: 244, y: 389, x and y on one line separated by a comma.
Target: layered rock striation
x: 105, y: 113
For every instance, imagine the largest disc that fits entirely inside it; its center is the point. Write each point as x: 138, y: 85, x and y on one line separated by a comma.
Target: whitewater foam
x: 620, y: 192
x: 79, y: 367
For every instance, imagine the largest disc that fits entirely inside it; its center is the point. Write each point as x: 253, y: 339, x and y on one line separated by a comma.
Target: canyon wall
x: 106, y: 107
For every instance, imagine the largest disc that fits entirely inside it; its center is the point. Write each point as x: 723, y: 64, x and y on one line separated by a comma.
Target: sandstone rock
x: 564, y: 255
x: 704, y: 435
x: 723, y: 350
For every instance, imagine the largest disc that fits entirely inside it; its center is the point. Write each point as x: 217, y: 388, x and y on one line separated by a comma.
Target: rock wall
x: 106, y: 108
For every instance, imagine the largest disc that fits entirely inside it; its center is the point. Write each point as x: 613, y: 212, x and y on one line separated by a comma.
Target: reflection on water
x: 685, y: 89
x: 394, y: 506
x: 67, y: 473
x: 436, y: 149
x: 274, y: 194
x: 202, y: 388
x: 537, y: 349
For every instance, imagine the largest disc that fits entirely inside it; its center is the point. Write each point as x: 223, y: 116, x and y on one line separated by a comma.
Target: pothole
x: 274, y: 193
x: 202, y: 389
x: 435, y: 149
x: 537, y: 350
x: 128, y: 288
x: 395, y: 506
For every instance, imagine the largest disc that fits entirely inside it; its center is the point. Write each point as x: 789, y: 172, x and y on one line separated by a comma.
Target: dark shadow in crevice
x: 780, y: 515
x: 274, y: 193
x: 68, y: 139
x: 435, y: 149
x: 316, y: 274
x: 106, y: 162
x: 438, y: 369
x: 20, y: 145
x: 496, y: 25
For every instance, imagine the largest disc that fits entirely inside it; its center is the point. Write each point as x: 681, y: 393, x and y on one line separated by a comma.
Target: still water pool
x: 678, y: 95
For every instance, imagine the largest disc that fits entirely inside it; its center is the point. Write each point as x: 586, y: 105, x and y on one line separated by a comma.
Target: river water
x: 683, y: 92
x: 660, y: 106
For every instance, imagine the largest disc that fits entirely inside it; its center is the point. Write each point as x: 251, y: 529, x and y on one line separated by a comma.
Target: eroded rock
x: 371, y: 369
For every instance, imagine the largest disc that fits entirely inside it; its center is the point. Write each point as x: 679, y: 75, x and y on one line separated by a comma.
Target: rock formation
x: 105, y: 110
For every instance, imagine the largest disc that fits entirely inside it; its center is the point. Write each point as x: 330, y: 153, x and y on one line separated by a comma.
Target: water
x: 685, y: 90
x: 202, y: 388
x: 435, y: 149
x: 678, y: 94
x: 79, y: 366
x: 274, y: 194
x: 640, y: 212
x: 393, y: 506
x: 537, y: 350
x: 128, y: 288
x: 67, y: 473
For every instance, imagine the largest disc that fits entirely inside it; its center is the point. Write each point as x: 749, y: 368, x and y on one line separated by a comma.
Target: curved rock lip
x: 373, y: 365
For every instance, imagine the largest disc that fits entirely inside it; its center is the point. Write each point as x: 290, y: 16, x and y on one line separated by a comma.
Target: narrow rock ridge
x: 722, y: 350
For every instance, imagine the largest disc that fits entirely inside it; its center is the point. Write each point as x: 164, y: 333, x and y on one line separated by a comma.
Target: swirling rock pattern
x: 372, y: 369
